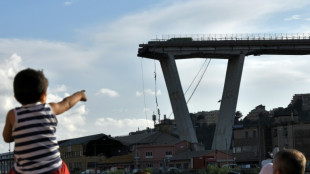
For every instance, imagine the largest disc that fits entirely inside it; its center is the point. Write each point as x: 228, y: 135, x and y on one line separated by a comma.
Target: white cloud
x: 107, y: 92
x: 67, y: 3
x: 59, y: 88
x: 138, y: 93
x: 294, y: 17
x: 166, y: 19
x: 146, y: 109
x: 49, y: 55
x: 8, y: 68
x: 148, y: 92
x: 72, y: 123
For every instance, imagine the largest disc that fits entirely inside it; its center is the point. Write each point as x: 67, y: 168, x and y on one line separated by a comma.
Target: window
x: 185, y: 166
x: 148, y: 155
x: 246, y: 134
x: 275, y: 133
x: 149, y: 165
x: 254, y: 133
x: 238, y: 149
x: 246, y: 149
x: 168, y: 153
x: 285, y: 132
x: 137, y: 156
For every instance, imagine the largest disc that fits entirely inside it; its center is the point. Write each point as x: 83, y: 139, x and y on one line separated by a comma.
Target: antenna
x: 154, y: 118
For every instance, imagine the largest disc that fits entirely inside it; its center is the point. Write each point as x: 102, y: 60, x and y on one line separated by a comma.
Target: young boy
x: 33, y: 125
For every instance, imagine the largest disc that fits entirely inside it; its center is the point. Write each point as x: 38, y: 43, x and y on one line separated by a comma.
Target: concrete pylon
x: 177, y: 99
x: 223, y: 130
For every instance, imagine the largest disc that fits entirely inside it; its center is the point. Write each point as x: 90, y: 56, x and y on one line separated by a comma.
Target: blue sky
x: 93, y: 45
x: 58, y: 20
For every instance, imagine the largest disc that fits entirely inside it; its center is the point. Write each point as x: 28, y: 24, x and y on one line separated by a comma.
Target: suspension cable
x: 205, y: 68
x: 143, y: 92
x: 199, y: 81
x: 196, y: 76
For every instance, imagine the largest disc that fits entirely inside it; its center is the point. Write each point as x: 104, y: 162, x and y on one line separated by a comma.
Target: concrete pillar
x: 177, y: 99
x: 223, y: 131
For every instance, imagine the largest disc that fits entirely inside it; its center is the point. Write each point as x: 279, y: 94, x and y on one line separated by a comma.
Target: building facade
x: 292, y: 135
x: 201, y: 159
x: 246, y: 145
x: 88, y: 152
x: 207, y: 117
x: 154, y: 152
x: 6, y: 162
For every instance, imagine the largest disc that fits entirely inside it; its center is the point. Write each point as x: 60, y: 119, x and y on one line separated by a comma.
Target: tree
x: 238, y: 115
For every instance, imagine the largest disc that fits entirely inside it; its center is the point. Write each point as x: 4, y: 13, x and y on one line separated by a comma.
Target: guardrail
x: 252, y: 36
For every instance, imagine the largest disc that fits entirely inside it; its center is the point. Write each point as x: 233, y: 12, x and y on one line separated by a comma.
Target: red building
x: 200, y: 159
x: 155, y: 151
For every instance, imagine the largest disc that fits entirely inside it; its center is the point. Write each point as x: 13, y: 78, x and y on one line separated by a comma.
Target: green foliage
x: 202, y: 171
x: 148, y: 170
x: 252, y: 171
x: 116, y: 172
x: 213, y: 169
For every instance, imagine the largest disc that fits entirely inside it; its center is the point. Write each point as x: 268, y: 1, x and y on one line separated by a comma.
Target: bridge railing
x: 252, y: 36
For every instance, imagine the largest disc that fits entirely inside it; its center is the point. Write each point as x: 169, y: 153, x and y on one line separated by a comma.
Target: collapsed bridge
x: 234, y: 48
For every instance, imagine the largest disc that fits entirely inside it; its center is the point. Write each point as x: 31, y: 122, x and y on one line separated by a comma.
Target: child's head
x: 29, y: 85
x: 289, y: 161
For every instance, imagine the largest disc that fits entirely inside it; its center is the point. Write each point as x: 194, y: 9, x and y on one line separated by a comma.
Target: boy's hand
x: 83, y: 97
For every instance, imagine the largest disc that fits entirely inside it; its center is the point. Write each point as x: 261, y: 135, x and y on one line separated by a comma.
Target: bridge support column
x: 223, y: 131
x: 177, y: 99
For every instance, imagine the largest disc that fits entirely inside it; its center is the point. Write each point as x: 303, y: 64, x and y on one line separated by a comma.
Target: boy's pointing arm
x: 68, y: 102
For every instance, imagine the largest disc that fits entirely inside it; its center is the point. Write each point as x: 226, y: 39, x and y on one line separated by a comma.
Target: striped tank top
x: 36, y: 148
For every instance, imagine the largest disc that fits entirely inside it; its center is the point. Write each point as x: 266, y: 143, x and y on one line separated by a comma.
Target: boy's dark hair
x: 29, y: 85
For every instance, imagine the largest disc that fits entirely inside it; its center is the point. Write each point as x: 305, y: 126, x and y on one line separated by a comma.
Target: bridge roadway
x: 222, y: 49
x: 235, y: 50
